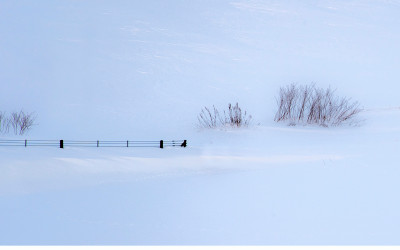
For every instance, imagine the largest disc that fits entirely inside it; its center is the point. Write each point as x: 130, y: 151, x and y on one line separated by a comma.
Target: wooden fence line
x: 97, y: 143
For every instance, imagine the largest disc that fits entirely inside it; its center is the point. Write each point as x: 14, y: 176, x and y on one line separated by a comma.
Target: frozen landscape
x: 143, y: 70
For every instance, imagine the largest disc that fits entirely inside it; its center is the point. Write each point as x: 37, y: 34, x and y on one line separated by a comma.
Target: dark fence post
x: 183, y: 144
x: 161, y: 144
x: 98, y: 143
x: 61, y: 143
x: 127, y: 144
x: 26, y: 143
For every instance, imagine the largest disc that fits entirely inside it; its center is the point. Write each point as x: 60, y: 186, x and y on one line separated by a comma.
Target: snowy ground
x: 266, y: 185
x: 142, y: 70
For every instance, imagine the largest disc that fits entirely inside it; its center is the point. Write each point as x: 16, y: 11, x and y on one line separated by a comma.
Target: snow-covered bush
x: 234, y: 117
x: 307, y: 104
x: 20, y: 122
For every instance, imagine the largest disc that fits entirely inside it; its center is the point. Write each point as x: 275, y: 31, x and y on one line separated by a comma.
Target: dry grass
x: 307, y: 104
x: 3, y: 123
x: 233, y: 117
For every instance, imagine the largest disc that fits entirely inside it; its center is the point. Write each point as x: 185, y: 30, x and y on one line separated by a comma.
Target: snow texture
x: 143, y: 70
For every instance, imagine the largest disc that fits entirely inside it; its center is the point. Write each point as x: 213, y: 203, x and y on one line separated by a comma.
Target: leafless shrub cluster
x: 234, y: 117
x: 19, y: 122
x: 311, y: 105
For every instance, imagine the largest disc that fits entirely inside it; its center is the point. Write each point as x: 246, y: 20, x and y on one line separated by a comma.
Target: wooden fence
x: 72, y: 143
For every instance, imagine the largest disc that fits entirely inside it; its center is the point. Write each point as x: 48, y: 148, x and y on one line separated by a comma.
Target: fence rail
x: 72, y: 143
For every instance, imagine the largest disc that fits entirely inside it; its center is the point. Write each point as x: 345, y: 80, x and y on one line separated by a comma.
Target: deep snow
x: 265, y: 185
x: 142, y: 70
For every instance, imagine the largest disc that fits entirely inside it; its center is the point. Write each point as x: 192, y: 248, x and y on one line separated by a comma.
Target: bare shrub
x: 21, y: 122
x: 237, y: 118
x: 311, y: 105
x: 26, y: 122
x: 14, y: 121
x: 4, y: 124
x: 209, y: 118
x: 234, y: 117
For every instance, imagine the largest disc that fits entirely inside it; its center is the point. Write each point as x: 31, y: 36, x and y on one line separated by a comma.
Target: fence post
x: 161, y: 144
x: 26, y: 143
x: 183, y: 144
x: 127, y: 144
x: 61, y: 143
x: 98, y: 143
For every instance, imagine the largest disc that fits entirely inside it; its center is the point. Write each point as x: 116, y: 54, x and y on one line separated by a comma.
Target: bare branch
x: 311, y: 105
x: 233, y: 117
